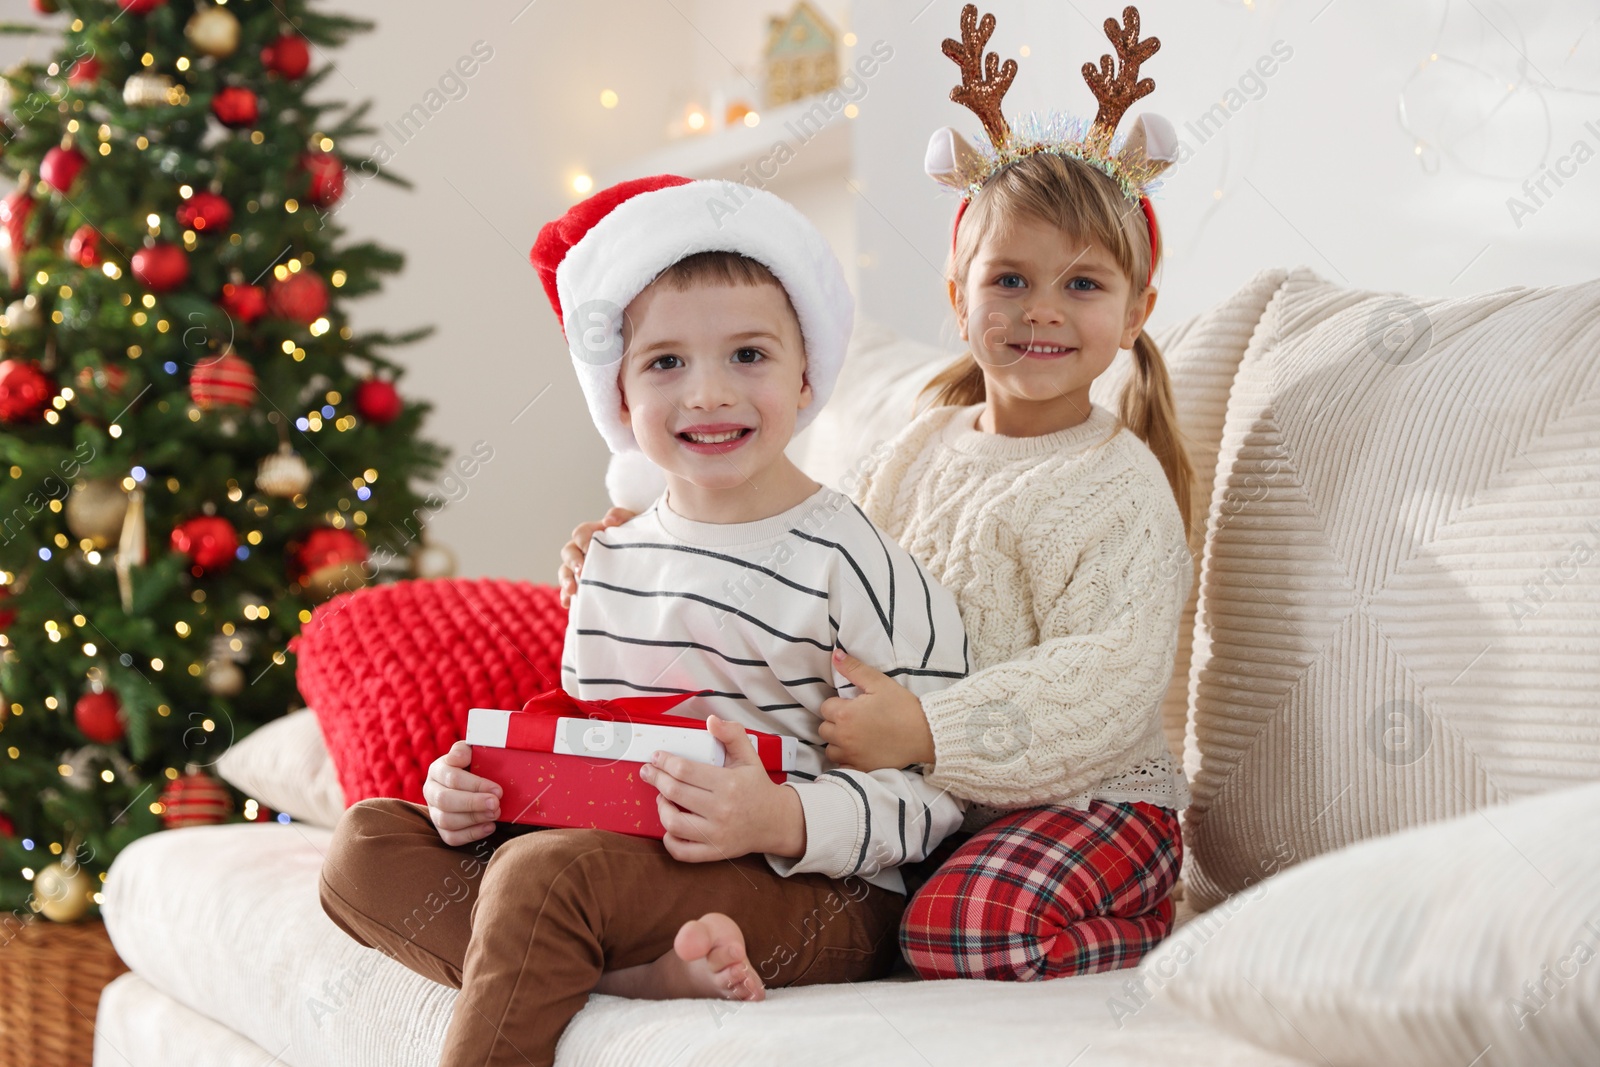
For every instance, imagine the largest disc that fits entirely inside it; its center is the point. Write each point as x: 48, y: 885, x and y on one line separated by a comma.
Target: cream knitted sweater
x: 1066, y: 554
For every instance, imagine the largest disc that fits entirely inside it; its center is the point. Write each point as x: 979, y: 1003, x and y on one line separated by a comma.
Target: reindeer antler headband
x: 1149, y: 148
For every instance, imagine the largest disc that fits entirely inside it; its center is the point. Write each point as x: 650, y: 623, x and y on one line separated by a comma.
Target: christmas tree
x: 195, y: 447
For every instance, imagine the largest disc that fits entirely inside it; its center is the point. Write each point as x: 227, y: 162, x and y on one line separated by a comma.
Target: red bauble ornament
x: 61, y: 167
x: 24, y: 391
x: 196, y: 799
x: 205, y: 212
x: 226, y: 381
x: 99, y: 717
x: 326, y: 547
x: 14, y: 212
x: 378, y: 401
x: 327, y: 177
x: 301, y: 297
x: 85, y: 71
x: 140, y: 7
x: 247, y: 303
x: 46, y: 7
x: 7, y: 615
x: 289, y: 56
x: 83, y: 247
x: 208, y: 540
x: 161, y: 267
x: 235, y: 106
x: 7, y: 827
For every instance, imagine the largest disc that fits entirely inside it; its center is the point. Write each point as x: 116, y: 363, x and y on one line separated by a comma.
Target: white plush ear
x: 633, y: 481
x: 1152, y: 138
x: 949, y: 155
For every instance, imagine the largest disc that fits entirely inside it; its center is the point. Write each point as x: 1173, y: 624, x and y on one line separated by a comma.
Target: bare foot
x: 708, y: 959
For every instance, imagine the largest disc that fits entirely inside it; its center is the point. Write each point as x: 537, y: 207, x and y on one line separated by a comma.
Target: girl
x: 1060, y: 526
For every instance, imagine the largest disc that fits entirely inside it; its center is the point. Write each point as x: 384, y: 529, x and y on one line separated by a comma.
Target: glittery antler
x: 984, y: 80
x: 1118, y: 89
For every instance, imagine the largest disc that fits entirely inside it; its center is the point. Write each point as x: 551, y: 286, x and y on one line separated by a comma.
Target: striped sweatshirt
x: 753, y: 611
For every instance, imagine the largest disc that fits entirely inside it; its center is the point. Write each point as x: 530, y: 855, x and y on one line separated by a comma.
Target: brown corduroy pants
x: 525, y: 922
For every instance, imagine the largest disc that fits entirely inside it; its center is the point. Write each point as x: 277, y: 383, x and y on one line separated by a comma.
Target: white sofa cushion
x: 137, y: 1025
x: 1401, y: 583
x: 285, y: 765
x: 1472, y: 941
x: 240, y: 939
x: 872, y: 401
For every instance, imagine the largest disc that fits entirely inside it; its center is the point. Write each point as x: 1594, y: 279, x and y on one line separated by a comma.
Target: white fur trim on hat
x: 647, y: 233
x: 633, y: 481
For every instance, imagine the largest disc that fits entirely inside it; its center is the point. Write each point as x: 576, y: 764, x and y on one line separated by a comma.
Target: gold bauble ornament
x: 433, y: 561
x: 224, y: 678
x: 283, y: 474
x: 95, y: 509
x: 61, y: 893
x: 147, y: 89
x: 23, y: 314
x: 8, y: 94
x: 214, y: 31
x: 223, y: 675
x: 335, y: 578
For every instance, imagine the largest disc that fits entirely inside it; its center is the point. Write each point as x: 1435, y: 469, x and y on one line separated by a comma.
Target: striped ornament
x: 225, y: 381
x: 196, y: 799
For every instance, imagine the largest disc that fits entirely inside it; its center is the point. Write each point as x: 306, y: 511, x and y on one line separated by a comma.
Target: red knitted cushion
x: 392, y: 670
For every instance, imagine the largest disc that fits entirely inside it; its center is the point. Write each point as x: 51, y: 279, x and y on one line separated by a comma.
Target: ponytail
x: 1147, y: 408
x: 960, y: 384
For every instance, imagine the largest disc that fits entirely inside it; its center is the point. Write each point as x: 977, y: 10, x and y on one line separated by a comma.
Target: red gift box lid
x: 555, y: 721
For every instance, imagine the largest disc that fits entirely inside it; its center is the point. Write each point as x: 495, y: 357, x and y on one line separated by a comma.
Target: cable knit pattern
x: 1067, y: 557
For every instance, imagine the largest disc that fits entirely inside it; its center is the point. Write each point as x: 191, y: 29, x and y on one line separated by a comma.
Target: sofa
x: 1386, y: 697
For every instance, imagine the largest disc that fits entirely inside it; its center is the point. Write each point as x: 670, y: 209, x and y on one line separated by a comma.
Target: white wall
x: 1318, y: 170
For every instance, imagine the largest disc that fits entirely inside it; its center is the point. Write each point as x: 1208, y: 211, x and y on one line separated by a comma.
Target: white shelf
x: 814, y: 146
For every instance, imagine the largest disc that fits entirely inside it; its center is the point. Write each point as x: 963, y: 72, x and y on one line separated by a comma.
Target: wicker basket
x: 51, y: 975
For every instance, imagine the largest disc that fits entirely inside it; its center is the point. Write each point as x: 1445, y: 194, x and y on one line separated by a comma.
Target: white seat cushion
x: 137, y: 1025
x: 240, y: 938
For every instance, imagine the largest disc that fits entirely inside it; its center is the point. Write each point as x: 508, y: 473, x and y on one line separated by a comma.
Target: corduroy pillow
x: 1202, y: 355
x: 1400, y: 594
x: 392, y: 670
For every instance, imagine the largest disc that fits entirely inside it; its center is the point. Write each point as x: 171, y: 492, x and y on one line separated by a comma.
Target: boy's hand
x: 462, y: 805
x: 721, y: 813
x: 573, y: 552
x: 883, y: 727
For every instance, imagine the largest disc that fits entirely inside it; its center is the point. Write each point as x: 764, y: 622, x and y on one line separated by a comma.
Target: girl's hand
x: 883, y: 727
x: 462, y: 805
x: 573, y: 552
x: 722, y: 813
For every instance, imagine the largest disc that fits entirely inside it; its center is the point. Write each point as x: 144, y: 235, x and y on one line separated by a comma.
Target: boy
x: 707, y: 322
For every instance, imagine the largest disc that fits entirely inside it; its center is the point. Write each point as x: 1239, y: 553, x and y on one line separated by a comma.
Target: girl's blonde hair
x: 1085, y: 202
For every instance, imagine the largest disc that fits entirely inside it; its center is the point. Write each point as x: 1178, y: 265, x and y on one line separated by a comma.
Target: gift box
x: 561, y: 761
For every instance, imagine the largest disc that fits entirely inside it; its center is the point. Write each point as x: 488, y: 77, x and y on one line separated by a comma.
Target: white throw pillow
x: 1471, y: 941
x: 285, y: 766
x: 1399, y: 609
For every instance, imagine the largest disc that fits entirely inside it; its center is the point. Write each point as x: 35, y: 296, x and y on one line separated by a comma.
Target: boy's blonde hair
x: 1082, y: 201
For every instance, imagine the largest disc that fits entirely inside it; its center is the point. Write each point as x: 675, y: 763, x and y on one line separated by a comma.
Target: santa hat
x: 604, y: 251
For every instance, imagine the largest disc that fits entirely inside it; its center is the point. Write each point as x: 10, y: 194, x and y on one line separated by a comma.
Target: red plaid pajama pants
x: 1046, y: 893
